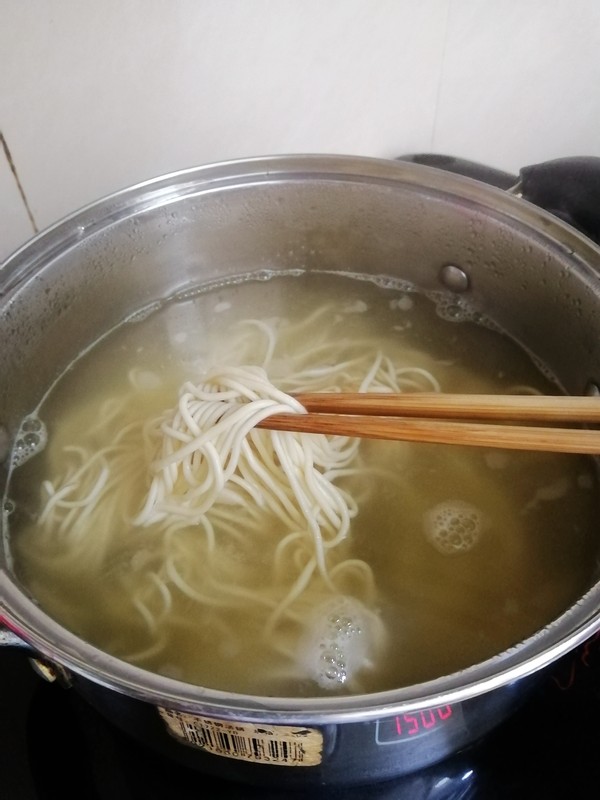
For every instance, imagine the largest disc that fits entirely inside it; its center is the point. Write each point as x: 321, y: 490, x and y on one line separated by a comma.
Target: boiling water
x: 471, y: 550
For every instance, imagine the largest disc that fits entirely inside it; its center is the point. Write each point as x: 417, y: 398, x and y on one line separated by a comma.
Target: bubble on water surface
x: 30, y: 440
x: 453, y: 527
x: 340, y: 645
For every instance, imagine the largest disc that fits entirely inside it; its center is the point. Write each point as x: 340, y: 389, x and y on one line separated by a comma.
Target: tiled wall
x: 95, y: 96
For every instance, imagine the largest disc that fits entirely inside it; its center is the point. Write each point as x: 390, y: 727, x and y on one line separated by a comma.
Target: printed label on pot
x: 284, y: 745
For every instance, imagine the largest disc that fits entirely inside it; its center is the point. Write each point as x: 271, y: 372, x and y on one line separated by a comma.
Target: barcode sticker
x: 283, y: 745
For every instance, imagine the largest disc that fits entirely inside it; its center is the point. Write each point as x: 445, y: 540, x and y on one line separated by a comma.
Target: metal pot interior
x: 534, y: 276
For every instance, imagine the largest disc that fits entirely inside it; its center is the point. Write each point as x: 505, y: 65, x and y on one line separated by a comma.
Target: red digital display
x: 414, y: 724
x: 406, y: 727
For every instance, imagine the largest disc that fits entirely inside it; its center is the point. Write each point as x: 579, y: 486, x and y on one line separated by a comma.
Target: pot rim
x: 49, y: 639
x: 61, y: 646
x: 161, y: 190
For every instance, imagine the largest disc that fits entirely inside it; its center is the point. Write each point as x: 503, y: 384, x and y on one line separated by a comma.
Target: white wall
x: 95, y: 96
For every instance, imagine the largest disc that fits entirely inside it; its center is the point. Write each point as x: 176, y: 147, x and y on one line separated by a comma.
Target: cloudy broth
x: 467, y: 550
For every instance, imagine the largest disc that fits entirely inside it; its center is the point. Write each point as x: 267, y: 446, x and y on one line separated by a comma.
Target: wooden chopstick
x: 375, y: 419
x: 516, y: 407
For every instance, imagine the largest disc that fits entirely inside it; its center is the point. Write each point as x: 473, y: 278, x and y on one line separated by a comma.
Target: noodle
x: 192, y: 469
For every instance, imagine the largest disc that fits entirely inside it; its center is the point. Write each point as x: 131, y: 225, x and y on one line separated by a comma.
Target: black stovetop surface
x: 52, y: 743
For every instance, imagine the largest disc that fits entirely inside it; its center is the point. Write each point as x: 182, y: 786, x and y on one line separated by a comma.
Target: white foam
x: 552, y: 491
x: 30, y: 439
x: 145, y: 379
x: 404, y: 303
x: 453, y: 527
x: 340, y: 644
x: 357, y: 307
x: 497, y: 459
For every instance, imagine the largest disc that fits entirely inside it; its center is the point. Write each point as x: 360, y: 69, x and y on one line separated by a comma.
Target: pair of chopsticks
x: 461, y: 419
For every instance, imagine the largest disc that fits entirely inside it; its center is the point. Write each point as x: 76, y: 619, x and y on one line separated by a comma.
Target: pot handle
x: 461, y: 166
x: 47, y: 670
x: 569, y: 188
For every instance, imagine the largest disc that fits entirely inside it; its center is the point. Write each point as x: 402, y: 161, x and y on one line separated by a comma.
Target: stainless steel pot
x: 536, y: 276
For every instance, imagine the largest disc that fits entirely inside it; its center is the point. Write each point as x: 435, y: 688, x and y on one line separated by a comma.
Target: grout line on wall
x: 441, y: 76
x: 13, y: 169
